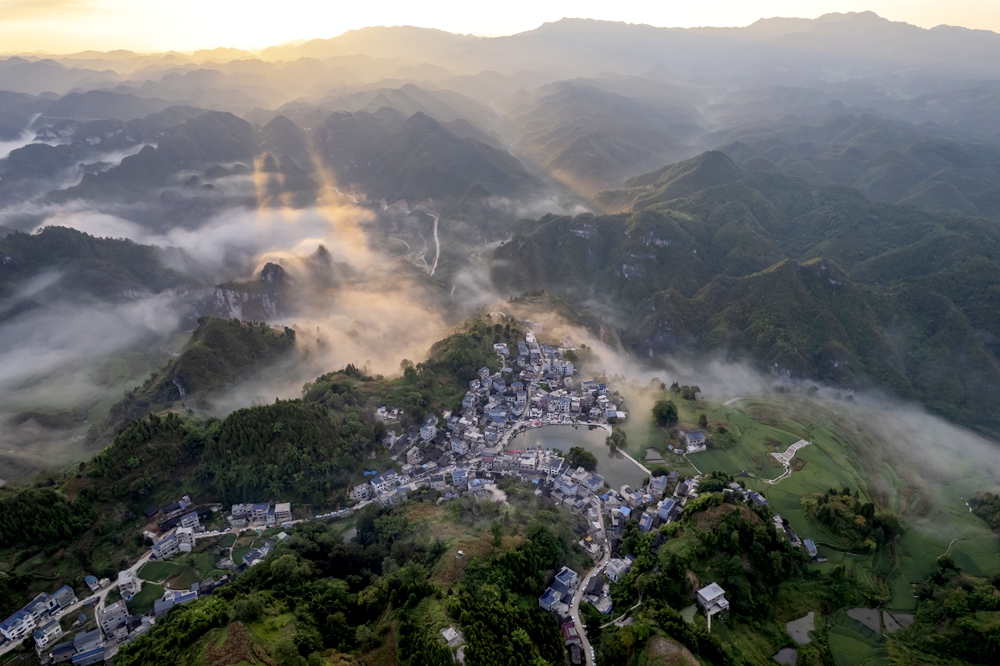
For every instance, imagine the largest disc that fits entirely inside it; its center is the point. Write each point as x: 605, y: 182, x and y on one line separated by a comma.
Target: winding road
x: 421, y: 208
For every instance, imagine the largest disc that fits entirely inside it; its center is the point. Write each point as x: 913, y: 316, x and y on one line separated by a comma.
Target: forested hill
x: 807, y: 281
x: 308, y: 451
x: 79, y: 263
x: 220, y: 353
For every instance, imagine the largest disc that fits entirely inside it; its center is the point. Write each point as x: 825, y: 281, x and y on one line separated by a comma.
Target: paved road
x: 574, y: 610
x: 575, y: 607
x: 101, y: 597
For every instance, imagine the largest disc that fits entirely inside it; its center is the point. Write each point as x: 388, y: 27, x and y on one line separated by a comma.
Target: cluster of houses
x: 181, y: 520
x: 808, y: 545
x: 115, y: 625
x: 40, y: 617
x: 182, y: 539
x: 260, y: 515
x: 533, y: 388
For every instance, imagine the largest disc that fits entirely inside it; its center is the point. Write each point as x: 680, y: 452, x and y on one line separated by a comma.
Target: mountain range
x: 805, y: 281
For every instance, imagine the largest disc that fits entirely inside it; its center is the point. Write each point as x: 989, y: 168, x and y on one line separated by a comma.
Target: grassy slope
x: 842, y: 455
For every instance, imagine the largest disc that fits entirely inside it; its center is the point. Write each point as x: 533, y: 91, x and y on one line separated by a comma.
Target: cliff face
x: 260, y: 300
x: 233, y: 302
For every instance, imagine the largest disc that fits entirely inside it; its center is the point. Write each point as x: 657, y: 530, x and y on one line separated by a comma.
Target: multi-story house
x: 191, y: 521
x: 283, y: 512
x: 128, y: 584
x: 185, y: 539
x: 166, y: 548
x: 113, y: 616
x: 47, y: 633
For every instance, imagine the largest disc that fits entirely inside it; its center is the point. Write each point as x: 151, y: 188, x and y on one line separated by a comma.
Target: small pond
x: 787, y: 656
x: 616, y: 469
x: 799, y: 629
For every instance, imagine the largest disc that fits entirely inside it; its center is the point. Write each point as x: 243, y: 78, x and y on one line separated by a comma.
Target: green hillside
x: 887, y: 160
x: 802, y: 281
x: 220, y: 353
x: 103, y: 267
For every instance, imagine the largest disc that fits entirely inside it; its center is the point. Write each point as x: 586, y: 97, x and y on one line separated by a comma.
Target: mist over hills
x: 821, y: 283
x: 217, y: 267
x: 746, y: 158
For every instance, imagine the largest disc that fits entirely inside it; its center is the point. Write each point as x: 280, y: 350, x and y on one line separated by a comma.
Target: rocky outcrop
x: 264, y: 299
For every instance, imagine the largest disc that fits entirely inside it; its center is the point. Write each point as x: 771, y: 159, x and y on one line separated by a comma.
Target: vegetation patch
x: 158, y: 571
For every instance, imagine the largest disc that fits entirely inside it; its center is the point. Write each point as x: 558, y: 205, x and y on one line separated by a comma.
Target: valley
x: 596, y: 343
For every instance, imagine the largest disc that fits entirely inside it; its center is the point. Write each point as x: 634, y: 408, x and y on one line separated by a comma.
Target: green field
x: 862, y: 448
x: 228, y: 540
x: 158, y: 571
x: 143, y: 602
x: 238, y: 554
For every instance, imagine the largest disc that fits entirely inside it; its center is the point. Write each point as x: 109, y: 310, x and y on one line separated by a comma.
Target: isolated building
x: 712, y: 599
x: 696, y: 441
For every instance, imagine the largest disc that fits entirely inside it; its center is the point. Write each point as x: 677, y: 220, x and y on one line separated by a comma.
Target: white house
x: 259, y: 512
x: 696, y: 441
x: 113, y: 616
x: 385, y: 481
x: 362, y: 491
x: 128, y: 584
x: 191, y: 520
x: 617, y: 568
x: 166, y: 548
x: 712, y: 599
x: 185, y: 539
x: 47, y: 633
x: 459, y: 446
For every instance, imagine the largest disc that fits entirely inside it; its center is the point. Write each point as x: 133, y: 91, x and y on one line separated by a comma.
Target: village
x: 173, y: 531
x: 459, y: 452
x: 466, y: 449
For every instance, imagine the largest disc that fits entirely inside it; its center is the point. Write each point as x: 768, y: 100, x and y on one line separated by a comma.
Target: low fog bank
x: 362, y: 302
x: 914, y: 462
x: 351, y: 304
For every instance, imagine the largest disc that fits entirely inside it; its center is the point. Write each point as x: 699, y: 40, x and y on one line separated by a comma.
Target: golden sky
x: 66, y: 26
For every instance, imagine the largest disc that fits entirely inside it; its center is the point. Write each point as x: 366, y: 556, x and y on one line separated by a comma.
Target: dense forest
x: 803, y: 281
x: 219, y: 354
x: 987, y: 507
x: 333, y: 597
x: 957, y: 615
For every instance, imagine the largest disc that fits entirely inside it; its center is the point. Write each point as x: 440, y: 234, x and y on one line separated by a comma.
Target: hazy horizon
x: 65, y: 27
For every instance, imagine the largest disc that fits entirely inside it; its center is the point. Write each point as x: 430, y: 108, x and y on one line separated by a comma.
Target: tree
x: 665, y: 413
x: 580, y: 457
x: 702, y: 421
x: 496, y: 529
x: 286, y: 653
x: 617, y: 439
